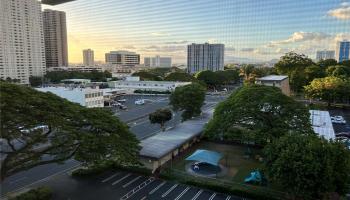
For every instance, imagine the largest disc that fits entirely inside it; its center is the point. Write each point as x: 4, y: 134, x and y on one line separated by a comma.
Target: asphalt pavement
x: 123, y: 185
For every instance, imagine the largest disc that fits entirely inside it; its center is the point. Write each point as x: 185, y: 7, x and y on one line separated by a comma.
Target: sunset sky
x: 252, y: 30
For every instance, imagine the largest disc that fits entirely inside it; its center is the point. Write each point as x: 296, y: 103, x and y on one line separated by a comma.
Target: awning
x: 210, y: 157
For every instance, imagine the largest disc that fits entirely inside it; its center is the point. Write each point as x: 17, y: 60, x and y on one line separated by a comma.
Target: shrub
x: 41, y: 193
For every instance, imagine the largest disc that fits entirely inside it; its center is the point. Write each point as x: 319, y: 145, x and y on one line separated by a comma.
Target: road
x: 136, y: 117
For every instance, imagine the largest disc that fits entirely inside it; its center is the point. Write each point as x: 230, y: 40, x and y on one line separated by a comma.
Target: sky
x: 252, y: 30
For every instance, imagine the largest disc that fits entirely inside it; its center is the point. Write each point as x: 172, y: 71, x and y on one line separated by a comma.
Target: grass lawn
x: 234, y: 159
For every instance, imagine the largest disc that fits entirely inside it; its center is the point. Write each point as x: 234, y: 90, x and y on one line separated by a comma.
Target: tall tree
x: 308, y: 167
x: 292, y: 61
x: 179, y: 76
x: 338, y: 71
x: 329, y: 89
x: 189, y: 98
x: 210, y: 78
x: 314, y: 71
x: 39, y: 128
x: 262, y: 111
x: 160, y: 116
x: 326, y: 63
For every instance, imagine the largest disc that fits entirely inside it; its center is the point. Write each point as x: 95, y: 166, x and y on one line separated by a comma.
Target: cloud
x: 230, y: 49
x: 178, y: 42
x: 247, y: 49
x: 164, y: 49
x: 159, y: 34
x: 341, y: 13
x: 300, y: 37
x: 129, y: 47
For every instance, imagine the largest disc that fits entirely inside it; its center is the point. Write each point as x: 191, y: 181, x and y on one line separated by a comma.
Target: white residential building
x: 133, y: 83
x: 206, y: 56
x: 157, y: 61
x: 324, y: 55
x: 77, y: 69
x: 87, y: 97
x: 88, y: 57
x: 22, y: 48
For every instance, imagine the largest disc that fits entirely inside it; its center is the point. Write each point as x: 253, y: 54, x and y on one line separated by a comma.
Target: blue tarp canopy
x: 206, y: 156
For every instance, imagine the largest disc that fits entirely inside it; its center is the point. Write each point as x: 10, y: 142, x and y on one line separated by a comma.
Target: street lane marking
x: 143, y: 198
x: 171, y: 189
x: 182, y: 193
x: 138, y: 188
x: 197, y: 195
x: 212, y: 196
x: 126, y: 176
x: 133, y: 180
x: 228, y: 197
x: 155, y: 189
x: 109, y: 178
x: 17, y: 180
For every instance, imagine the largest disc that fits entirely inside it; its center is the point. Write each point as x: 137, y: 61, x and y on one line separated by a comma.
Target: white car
x: 338, y: 120
x: 121, y: 100
x: 140, y: 102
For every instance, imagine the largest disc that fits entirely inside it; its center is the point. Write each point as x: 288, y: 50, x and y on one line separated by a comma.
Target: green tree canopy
x: 36, y: 81
x: 292, y: 61
x: 39, y: 128
x: 179, y: 76
x: 329, y: 89
x: 308, y: 167
x: 147, y: 76
x: 57, y: 76
x: 326, y: 63
x: 189, y: 99
x: 160, y: 116
x: 260, y: 112
x: 338, y: 71
x: 314, y: 71
x: 210, y: 78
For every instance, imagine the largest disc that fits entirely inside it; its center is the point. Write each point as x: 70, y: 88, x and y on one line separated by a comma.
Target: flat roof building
x: 87, y: 97
x: 324, y: 55
x: 279, y: 81
x: 88, y: 57
x: 157, y: 61
x: 122, y: 58
x: 322, y: 124
x: 205, y: 56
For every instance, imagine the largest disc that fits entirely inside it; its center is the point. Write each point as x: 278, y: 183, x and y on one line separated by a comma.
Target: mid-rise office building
x: 55, y: 34
x: 157, y: 61
x: 88, y: 57
x: 22, y: 49
x: 122, y: 58
x: 206, y: 56
x: 324, y: 55
x: 343, y: 51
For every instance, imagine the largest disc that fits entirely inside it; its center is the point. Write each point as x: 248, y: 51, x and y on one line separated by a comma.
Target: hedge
x: 40, y: 193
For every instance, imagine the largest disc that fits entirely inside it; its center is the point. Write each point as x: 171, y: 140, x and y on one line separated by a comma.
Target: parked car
x: 338, y: 120
x: 121, y: 100
x: 343, y: 134
x: 140, y: 102
x: 123, y: 107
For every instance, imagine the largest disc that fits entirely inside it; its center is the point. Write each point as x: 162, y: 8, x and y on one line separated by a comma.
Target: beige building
x: 55, y: 34
x: 123, y: 58
x: 22, y: 49
x: 88, y: 57
x: 281, y: 82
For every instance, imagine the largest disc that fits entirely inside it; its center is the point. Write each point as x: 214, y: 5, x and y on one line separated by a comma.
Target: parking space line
x: 197, y: 195
x: 133, y: 180
x: 228, y: 197
x: 109, y: 178
x: 143, y: 198
x: 126, y: 176
x: 155, y: 189
x: 182, y: 193
x: 170, y: 189
x: 212, y: 196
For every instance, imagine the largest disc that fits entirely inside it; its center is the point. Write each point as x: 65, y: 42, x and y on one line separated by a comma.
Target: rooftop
x: 273, y: 78
x: 163, y: 143
x: 322, y: 124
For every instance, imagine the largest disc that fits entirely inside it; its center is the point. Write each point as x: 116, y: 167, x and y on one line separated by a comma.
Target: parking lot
x: 341, y: 127
x: 124, y: 185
